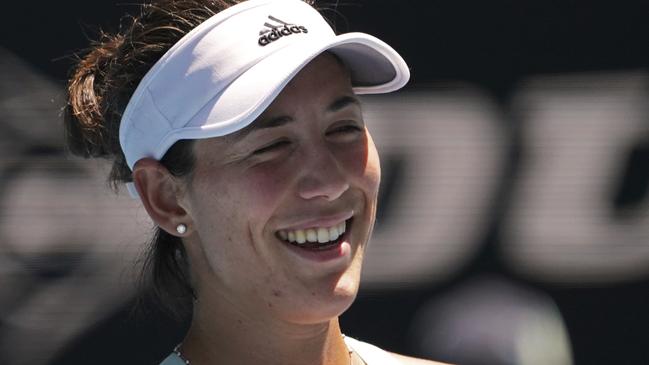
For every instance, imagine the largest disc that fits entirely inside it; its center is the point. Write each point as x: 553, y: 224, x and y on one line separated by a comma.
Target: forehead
x: 321, y: 84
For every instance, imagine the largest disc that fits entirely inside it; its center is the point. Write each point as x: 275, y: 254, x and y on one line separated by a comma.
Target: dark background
x: 492, y: 44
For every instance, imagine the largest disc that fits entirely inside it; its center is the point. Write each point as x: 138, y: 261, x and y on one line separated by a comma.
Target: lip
x: 320, y: 221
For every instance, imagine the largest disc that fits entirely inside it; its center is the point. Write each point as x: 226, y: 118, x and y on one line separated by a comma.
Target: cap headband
x: 223, y: 74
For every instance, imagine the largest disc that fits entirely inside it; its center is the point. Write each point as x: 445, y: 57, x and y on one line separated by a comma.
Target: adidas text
x: 277, y: 33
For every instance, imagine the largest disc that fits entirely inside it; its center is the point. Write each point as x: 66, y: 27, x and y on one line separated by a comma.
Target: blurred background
x: 514, y: 211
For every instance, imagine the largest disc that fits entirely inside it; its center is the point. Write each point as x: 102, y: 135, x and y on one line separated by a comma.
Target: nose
x: 322, y: 175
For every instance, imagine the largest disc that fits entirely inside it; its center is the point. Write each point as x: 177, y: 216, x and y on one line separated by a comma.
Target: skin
x: 259, y: 302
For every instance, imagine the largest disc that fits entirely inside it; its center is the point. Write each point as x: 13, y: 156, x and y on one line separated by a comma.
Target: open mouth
x: 317, y: 238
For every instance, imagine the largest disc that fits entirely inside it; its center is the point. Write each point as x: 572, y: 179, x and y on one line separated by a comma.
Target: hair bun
x: 87, y: 114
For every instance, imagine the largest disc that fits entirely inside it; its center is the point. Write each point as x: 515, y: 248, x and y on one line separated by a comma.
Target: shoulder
x: 375, y: 355
x: 172, y: 359
x: 407, y: 360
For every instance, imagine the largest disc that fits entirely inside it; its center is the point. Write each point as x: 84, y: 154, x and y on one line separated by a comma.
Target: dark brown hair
x: 99, y: 88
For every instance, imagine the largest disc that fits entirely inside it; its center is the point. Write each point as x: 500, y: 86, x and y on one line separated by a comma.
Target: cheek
x: 374, y: 163
x: 266, y: 184
x: 362, y: 162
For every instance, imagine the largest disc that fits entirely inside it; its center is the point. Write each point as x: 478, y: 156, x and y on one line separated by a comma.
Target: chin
x: 327, y: 304
x: 324, y: 313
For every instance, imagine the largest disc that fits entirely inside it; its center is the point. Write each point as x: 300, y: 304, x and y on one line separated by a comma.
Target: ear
x: 160, y: 193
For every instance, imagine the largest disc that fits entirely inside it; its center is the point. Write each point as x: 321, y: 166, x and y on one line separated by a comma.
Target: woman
x: 238, y: 127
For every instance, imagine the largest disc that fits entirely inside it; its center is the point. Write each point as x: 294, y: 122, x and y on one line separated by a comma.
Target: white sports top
x: 370, y: 354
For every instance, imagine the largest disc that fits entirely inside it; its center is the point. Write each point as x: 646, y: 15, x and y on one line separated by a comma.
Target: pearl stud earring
x: 181, y: 228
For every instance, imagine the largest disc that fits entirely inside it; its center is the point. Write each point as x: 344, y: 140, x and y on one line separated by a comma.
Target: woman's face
x: 307, y: 164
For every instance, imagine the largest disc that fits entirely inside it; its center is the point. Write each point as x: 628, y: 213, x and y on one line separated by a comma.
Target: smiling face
x: 305, y: 170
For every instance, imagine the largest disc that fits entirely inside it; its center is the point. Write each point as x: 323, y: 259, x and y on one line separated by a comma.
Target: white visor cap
x: 223, y: 74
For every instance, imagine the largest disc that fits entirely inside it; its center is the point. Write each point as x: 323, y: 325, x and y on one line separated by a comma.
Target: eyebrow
x: 342, y: 103
x: 336, y: 106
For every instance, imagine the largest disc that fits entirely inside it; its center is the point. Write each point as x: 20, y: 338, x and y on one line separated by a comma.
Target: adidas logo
x: 279, y: 29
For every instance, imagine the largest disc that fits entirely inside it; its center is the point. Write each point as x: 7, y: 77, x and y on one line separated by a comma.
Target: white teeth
x: 319, y: 234
x: 323, y: 235
x: 300, y: 236
x: 311, y: 235
x: 333, y: 233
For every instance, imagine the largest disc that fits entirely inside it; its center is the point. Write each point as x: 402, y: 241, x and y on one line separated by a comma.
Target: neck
x: 225, y: 334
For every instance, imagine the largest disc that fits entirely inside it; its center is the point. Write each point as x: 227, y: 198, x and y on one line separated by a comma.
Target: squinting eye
x: 271, y: 147
x: 349, y: 128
